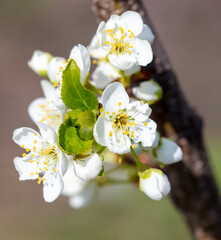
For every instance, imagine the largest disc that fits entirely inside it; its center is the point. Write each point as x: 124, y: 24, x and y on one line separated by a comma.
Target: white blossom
x: 154, y: 184
x: 39, y: 62
x: 149, y: 91
x: 43, y: 159
x: 120, y: 37
x: 80, y: 192
x: 122, y: 124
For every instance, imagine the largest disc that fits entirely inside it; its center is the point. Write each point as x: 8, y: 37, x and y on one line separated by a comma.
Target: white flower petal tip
x: 154, y: 184
x: 55, y: 69
x: 88, y: 168
x: 81, y: 56
x: 42, y: 159
x: 122, y: 124
x: 119, y: 36
x: 168, y: 152
x: 39, y: 62
x: 147, y: 34
x: 149, y: 91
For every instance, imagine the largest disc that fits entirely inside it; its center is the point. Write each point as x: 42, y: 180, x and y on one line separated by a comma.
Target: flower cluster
x: 83, y: 120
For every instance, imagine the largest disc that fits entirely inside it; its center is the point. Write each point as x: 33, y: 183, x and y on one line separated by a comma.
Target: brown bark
x: 194, y: 191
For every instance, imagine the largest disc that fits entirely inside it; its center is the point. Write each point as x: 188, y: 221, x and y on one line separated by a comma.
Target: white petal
x: 132, y: 70
x: 53, y: 68
x: 104, y: 74
x: 133, y: 20
x: 47, y: 133
x: 122, y: 61
x: 113, y: 95
x: 101, y: 130
x: 26, y: 136
x: 48, y: 90
x: 100, y: 32
x: 95, y: 50
x: 119, y: 143
x: 84, y: 198
x: 88, y: 168
x: 155, y: 187
x: 148, y: 91
x: 72, y: 184
x: 52, y: 187
x: 63, y: 163
x: 140, y: 112
x: 82, y: 58
x: 25, y: 168
x: 169, y: 152
x: 145, y: 134
x: 146, y: 34
x: 39, y: 62
x: 34, y: 109
x: 143, y: 51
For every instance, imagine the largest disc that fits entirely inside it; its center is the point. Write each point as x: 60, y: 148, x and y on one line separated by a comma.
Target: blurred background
x: 191, y: 34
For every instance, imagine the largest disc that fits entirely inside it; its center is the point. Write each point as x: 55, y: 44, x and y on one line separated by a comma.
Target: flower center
x: 120, y: 41
x: 45, y: 156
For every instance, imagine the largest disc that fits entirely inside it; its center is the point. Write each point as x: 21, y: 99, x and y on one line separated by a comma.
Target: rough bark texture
x: 194, y: 190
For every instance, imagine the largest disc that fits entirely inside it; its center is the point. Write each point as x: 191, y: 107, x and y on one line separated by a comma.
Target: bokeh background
x: 191, y: 33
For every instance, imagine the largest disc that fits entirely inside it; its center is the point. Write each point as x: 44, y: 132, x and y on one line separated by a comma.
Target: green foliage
x: 73, y: 94
x: 75, y: 135
x: 86, y: 121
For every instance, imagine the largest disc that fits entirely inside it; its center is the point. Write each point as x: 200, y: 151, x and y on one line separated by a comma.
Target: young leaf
x: 86, y: 121
x: 73, y: 94
x: 70, y: 141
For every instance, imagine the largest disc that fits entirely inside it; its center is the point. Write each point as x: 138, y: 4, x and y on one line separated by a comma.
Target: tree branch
x: 194, y: 190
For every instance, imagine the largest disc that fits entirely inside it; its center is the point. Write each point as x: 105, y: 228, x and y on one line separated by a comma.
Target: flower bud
x: 149, y: 91
x: 168, y: 152
x: 154, y: 183
x: 39, y: 62
x: 88, y: 168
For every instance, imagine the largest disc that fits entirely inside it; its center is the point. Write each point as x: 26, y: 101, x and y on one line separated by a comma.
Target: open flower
x: 39, y: 62
x: 120, y: 37
x: 149, y: 91
x: 89, y: 167
x: 43, y: 159
x: 154, y: 183
x: 80, y: 192
x: 122, y: 124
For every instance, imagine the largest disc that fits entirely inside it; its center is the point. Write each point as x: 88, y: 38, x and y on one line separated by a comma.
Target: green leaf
x: 86, y: 121
x: 73, y: 94
x: 70, y: 141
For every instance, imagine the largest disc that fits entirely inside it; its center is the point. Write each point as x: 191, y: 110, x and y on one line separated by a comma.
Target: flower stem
x: 89, y: 86
x: 136, y: 159
x: 123, y: 79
